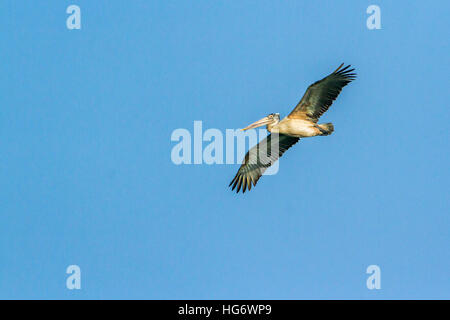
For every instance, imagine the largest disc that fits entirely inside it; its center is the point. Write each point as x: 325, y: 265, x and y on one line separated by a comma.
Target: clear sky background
x: 86, y: 176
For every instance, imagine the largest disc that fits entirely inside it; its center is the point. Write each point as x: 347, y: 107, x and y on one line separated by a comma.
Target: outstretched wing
x: 259, y: 158
x: 320, y: 95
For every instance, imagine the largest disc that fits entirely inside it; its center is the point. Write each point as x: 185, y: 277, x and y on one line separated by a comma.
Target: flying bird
x: 300, y: 123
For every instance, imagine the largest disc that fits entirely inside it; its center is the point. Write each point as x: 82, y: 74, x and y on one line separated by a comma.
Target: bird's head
x: 271, y: 120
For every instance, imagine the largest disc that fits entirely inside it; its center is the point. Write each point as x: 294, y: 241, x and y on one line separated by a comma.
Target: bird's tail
x: 326, y: 128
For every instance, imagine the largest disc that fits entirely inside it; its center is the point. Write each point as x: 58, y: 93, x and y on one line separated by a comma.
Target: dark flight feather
x: 259, y: 158
x: 320, y: 95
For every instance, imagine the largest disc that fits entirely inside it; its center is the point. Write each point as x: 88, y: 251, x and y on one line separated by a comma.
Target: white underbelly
x: 297, y: 128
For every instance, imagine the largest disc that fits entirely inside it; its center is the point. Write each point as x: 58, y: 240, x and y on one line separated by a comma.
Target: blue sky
x: 86, y: 176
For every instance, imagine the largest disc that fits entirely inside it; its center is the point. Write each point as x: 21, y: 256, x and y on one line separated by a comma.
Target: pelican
x: 300, y: 123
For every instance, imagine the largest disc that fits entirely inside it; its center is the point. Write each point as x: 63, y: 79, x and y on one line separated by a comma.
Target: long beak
x: 258, y: 123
